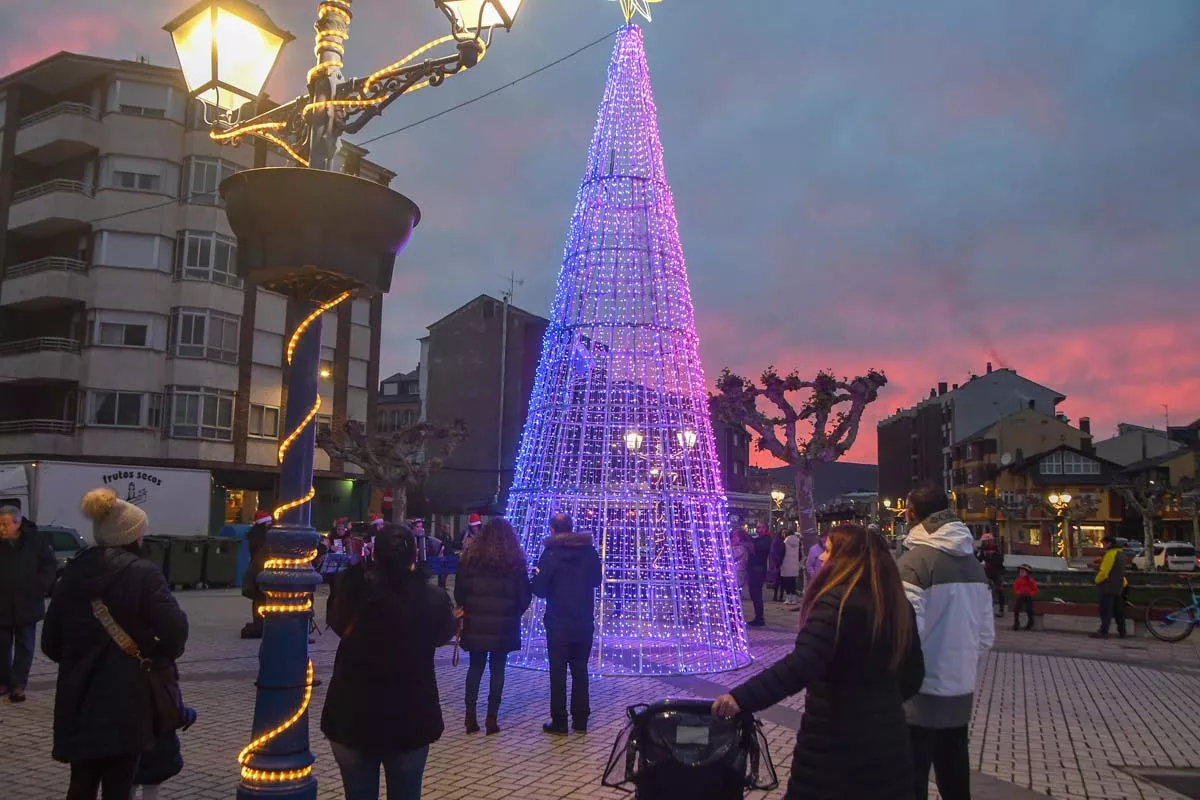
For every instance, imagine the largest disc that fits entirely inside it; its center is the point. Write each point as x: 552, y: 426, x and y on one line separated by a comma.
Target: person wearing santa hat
x: 473, y: 523
x: 257, y: 540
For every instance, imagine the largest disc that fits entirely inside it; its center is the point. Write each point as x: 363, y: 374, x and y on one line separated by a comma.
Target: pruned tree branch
x: 400, y: 461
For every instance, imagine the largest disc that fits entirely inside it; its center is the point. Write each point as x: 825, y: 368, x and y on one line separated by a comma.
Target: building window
x: 1075, y: 464
x: 325, y: 423
x: 264, y: 422
x: 204, y: 333
x: 134, y: 174
x: 121, y: 334
x: 124, y: 409
x: 1051, y: 465
x: 201, y: 177
x: 390, y: 390
x: 1091, y: 535
x: 201, y: 413
x: 1031, y: 535
x: 206, y: 256
x: 138, y: 181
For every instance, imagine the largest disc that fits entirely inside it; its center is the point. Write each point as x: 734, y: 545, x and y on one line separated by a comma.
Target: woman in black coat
x: 103, y: 714
x: 859, y: 656
x: 383, y: 708
x: 492, y: 592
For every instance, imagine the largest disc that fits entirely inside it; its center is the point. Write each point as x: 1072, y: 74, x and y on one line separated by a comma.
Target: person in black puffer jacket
x: 103, y: 713
x: 567, y: 576
x: 858, y: 654
x: 383, y: 708
x: 492, y: 592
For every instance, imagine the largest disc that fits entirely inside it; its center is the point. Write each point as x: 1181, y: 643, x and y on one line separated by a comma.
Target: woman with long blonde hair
x: 492, y: 591
x: 858, y: 655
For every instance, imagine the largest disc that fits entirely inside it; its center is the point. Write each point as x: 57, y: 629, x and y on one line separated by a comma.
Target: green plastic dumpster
x: 156, y: 549
x: 220, y: 562
x: 185, y: 561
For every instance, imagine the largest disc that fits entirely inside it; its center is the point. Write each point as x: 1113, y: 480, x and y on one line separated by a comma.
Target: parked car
x: 66, y: 543
x: 1170, y: 556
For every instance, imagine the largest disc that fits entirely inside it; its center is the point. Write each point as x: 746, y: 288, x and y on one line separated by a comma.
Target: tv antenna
x: 513, y: 283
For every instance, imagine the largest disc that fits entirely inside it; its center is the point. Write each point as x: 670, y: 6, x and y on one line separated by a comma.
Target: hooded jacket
x: 568, y: 574
x: 102, y: 705
x: 949, y: 592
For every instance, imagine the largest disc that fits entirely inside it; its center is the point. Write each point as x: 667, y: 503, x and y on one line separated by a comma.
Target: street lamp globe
x: 887, y: 502
x: 477, y: 15
x: 1064, y: 498
x: 686, y: 439
x: 1053, y: 499
x: 633, y: 441
x: 777, y: 496
x: 227, y: 49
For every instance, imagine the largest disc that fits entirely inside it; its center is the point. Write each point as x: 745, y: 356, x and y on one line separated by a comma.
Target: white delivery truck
x: 48, y: 492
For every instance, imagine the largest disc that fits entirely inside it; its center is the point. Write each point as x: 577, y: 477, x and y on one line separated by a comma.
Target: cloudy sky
x: 921, y: 186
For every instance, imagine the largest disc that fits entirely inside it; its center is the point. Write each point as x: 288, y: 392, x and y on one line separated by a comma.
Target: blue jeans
x: 16, y: 655
x: 360, y: 773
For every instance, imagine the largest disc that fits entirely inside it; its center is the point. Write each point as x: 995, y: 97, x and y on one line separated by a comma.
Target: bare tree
x: 829, y: 409
x: 1149, y: 498
x: 1014, y: 506
x: 400, y: 461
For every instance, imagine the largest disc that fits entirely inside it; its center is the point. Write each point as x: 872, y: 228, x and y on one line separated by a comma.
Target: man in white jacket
x: 950, y: 593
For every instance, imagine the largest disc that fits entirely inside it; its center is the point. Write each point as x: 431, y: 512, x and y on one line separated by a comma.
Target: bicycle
x: 1169, y: 622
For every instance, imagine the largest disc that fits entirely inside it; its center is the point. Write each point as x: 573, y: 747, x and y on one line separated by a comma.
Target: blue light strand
x: 618, y: 433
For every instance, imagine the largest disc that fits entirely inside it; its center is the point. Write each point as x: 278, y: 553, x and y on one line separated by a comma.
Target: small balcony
x: 46, y: 358
x: 59, y: 133
x: 49, y: 208
x: 45, y: 283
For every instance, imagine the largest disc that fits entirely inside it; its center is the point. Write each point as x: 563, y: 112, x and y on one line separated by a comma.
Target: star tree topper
x: 631, y: 7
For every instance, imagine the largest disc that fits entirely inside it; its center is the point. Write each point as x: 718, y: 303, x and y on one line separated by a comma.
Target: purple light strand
x: 618, y: 433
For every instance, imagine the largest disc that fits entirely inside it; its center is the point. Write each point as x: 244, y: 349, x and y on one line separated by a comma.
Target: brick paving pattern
x: 1056, y: 714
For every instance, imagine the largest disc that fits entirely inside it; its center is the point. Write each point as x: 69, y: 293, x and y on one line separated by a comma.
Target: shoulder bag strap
x: 115, y: 631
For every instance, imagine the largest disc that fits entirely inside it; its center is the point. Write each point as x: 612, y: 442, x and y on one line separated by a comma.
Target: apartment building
x: 126, y: 336
x: 399, y: 401
x: 916, y: 444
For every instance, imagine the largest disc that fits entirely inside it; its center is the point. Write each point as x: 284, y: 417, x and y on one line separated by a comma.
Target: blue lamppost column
x: 321, y: 238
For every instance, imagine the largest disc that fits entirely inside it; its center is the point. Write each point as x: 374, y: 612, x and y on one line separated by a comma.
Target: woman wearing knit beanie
x: 103, y: 717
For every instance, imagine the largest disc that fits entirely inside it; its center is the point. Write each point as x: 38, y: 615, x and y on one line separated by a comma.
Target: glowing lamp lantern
x: 633, y: 441
x: 778, y: 496
x: 227, y: 49
x: 475, y: 15
x: 686, y: 439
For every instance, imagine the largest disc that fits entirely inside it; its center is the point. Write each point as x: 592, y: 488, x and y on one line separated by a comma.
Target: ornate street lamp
x: 633, y: 441
x: 319, y: 237
x: 1061, y: 502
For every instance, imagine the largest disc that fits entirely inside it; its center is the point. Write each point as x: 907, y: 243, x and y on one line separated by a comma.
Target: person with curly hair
x: 492, y: 592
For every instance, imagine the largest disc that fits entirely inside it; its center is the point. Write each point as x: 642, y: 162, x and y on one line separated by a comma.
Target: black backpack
x: 676, y: 748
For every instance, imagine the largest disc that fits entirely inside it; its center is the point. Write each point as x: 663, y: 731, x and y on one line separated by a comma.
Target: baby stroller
x: 676, y: 748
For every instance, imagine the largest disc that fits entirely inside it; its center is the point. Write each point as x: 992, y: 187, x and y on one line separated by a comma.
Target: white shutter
x: 143, y: 251
x: 268, y: 349
x: 143, y: 95
x: 360, y: 311
x: 357, y: 374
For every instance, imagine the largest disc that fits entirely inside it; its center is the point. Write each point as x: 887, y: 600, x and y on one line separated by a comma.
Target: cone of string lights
x: 618, y: 433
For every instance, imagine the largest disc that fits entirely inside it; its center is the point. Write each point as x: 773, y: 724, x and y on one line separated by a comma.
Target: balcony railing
x: 49, y: 187
x: 48, y: 264
x: 27, y: 426
x: 44, y: 344
x: 77, y: 109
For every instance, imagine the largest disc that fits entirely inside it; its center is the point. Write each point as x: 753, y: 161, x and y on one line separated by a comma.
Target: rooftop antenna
x: 513, y: 283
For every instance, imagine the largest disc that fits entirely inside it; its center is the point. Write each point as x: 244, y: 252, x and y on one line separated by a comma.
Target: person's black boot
x: 558, y: 727
x: 579, y: 724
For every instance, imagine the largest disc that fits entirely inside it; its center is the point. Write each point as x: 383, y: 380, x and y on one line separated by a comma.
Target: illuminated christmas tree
x: 618, y: 433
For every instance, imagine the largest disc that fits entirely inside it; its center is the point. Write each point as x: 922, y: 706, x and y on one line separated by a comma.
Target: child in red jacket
x: 1025, y: 588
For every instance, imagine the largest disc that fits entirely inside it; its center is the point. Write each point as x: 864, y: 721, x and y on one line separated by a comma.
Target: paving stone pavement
x: 1056, y: 714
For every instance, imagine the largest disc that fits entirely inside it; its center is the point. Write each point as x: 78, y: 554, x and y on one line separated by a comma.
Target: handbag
x: 166, y: 700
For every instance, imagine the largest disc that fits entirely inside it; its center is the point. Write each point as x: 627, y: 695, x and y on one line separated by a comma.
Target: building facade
x: 1134, y: 443
x: 126, y: 336
x: 916, y: 444
x: 399, y: 403
x: 478, y: 365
